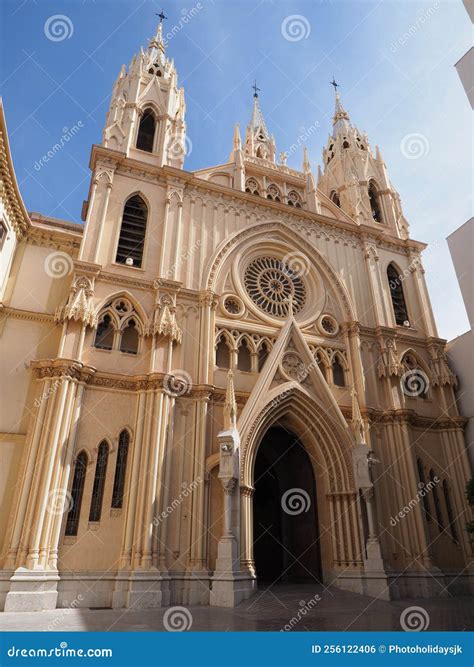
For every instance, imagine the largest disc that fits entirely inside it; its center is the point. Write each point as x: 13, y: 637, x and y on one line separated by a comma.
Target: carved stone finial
x: 230, y: 405
x: 164, y: 321
x: 79, y: 306
x: 357, y: 420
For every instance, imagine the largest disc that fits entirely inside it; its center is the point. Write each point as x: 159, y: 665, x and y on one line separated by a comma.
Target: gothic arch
x: 327, y: 442
x: 289, y: 237
x: 125, y: 294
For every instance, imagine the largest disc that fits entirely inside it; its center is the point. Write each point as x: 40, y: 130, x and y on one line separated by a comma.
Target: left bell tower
x: 146, y: 114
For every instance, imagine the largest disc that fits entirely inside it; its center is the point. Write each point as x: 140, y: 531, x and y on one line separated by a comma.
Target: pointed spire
x: 156, y: 47
x: 257, y: 122
x: 306, y: 163
x: 258, y: 141
x: 237, y: 139
x: 230, y: 405
x: 357, y: 420
x: 341, y: 120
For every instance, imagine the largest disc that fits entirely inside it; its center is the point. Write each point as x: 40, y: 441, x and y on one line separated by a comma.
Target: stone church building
x: 225, y: 378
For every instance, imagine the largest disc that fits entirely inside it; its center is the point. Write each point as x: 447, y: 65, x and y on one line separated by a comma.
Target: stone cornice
x: 30, y: 315
x: 54, y: 238
x: 9, y: 190
x: 62, y: 368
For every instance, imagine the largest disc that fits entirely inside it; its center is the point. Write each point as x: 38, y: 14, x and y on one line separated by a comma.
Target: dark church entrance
x: 285, y: 522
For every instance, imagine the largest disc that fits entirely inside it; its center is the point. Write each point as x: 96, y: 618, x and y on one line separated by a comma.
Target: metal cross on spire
x: 333, y: 83
x: 255, y: 88
x: 161, y: 15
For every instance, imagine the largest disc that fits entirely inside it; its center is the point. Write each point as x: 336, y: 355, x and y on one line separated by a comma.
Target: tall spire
x: 341, y: 120
x: 257, y: 122
x: 156, y: 46
x: 258, y: 141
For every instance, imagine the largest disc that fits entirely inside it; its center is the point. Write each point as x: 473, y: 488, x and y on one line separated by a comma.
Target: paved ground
x: 291, y: 606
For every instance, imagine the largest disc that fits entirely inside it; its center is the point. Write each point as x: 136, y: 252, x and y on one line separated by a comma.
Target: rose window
x: 272, y: 284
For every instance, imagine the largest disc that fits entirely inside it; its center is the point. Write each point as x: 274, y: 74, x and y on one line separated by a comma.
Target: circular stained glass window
x: 271, y: 284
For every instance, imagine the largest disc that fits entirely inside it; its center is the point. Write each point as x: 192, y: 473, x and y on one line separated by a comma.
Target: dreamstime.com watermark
x: 302, y: 138
x: 47, y: 394
x: 424, y: 489
x: 301, y: 613
x: 188, y: 488
x: 423, y: 15
x: 187, y: 15
x: 67, y: 135
x: 187, y: 254
x: 61, y: 651
x: 58, y: 620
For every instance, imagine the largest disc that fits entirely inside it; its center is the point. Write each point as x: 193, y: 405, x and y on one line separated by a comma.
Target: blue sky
x: 394, y: 62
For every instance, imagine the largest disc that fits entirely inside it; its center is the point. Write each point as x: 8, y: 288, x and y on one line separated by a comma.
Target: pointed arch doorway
x: 285, y: 518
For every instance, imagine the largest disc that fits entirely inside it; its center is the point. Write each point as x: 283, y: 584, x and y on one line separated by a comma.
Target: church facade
x: 224, y: 378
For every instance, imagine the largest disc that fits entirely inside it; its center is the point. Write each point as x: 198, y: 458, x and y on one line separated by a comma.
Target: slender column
x: 177, y: 247
x: 43, y: 390
x: 56, y: 495
x: 155, y: 446
x: 332, y: 519
x: 246, y: 530
x: 164, y: 239
x: 89, y: 215
x: 373, y: 277
x: 369, y: 503
x: 101, y: 224
x: 41, y: 500
x: 125, y: 560
x: 144, y: 467
x: 66, y: 471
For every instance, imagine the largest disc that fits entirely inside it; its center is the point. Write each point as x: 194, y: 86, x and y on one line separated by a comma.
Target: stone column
x: 247, y: 562
x: 43, y: 498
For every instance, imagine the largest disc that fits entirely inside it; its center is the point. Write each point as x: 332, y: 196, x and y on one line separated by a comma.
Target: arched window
x: 398, y: 298
x: 222, y: 354
x: 434, y: 490
x: 129, y: 340
x: 338, y: 373
x: 132, y: 232
x: 375, y: 202
x: 99, y: 482
x: 423, y: 489
x: 104, y: 337
x: 322, y: 366
x: 415, y: 381
x: 251, y: 186
x: 77, y: 491
x: 294, y: 199
x: 345, y: 144
x: 120, y: 469
x: 146, y: 131
x: 244, y: 359
x: 335, y: 198
x: 262, y: 355
x: 273, y: 193
x: 450, y: 513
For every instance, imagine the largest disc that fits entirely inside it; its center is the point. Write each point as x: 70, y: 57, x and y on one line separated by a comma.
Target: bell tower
x: 146, y: 115
x: 356, y: 180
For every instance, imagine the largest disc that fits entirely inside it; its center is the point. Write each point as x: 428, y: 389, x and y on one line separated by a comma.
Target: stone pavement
x: 285, y: 605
